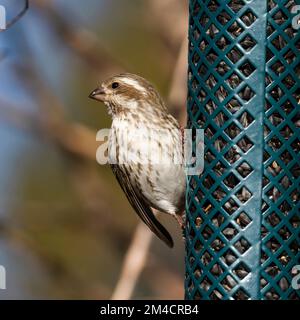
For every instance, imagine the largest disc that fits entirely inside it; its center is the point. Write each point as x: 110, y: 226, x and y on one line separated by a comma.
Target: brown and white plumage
x: 139, y: 116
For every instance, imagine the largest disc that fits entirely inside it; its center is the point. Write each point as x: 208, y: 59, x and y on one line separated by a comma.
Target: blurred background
x: 66, y: 229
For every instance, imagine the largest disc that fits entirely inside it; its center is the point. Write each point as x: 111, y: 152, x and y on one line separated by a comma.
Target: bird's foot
x: 181, y: 219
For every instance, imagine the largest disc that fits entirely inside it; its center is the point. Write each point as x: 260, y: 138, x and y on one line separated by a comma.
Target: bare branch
x: 134, y: 263
x: 83, y: 42
x: 161, y: 16
x: 178, y: 89
x: 73, y: 138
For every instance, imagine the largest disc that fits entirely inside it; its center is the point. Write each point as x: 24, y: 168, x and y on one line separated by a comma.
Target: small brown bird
x: 143, y: 128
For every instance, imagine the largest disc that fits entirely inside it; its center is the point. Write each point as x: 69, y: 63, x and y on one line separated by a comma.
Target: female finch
x: 145, y: 149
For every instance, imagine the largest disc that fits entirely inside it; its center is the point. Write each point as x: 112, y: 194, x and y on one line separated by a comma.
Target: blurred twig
x: 83, y: 42
x: 161, y: 16
x: 178, y: 89
x: 134, y: 263
x: 74, y: 138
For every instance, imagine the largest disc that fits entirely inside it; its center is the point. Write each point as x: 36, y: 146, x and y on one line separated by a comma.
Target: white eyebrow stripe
x: 134, y: 83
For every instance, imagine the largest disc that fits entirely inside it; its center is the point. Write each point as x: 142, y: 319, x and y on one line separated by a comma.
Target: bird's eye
x: 115, y: 85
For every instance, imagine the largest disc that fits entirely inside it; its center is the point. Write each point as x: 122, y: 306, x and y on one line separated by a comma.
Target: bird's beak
x: 98, y: 94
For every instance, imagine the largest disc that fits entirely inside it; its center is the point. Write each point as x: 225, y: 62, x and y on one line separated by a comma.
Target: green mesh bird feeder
x: 242, y: 234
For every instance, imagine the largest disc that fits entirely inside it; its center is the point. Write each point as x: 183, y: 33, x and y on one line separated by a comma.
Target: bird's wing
x: 140, y: 206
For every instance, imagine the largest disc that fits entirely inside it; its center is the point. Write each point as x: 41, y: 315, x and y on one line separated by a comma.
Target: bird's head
x: 128, y: 93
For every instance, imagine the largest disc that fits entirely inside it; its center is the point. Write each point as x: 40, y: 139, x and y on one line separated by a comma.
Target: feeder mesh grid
x: 242, y: 235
